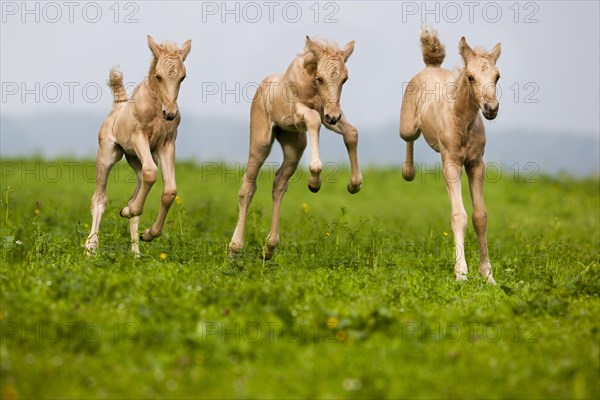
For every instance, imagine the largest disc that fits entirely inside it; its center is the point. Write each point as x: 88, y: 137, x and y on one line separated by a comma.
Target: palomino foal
x: 444, y: 105
x: 284, y: 108
x: 143, y: 128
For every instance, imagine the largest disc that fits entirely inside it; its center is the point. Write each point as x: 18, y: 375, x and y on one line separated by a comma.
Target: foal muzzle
x: 169, y: 116
x: 332, y: 120
x: 490, y: 111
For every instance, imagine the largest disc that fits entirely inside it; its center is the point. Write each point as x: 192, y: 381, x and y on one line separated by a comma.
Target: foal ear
x: 156, y: 49
x: 495, y: 53
x: 347, y: 52
x: 465, y: 51
x: 313, y: 47
x: 185, y: 49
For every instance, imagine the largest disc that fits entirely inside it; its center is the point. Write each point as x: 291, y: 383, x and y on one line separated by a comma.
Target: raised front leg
x: 350, y: 135
x: 409, y: 130
x: 149, y: 173
x: 476, y: 173
x: 312, y: 120
x: 108, y: 155
x: 452, y: 171
x: 293, y: 145
x: 167, y: 164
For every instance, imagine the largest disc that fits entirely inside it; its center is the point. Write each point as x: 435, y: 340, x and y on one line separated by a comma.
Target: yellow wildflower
x: 162, y: 256
x: 332, y: 322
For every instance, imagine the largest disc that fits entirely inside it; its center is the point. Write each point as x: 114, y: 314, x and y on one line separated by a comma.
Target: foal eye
x: 344, y: 81
x: 318, y: 79
x: 182, y: 78
x: 158, y: 77
x: 470, y: 78
x: 497, y: 78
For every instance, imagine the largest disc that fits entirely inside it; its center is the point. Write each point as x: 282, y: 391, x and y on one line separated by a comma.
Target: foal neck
x: 152, y: 83
x: 466, y: 108
x: 301, y: 78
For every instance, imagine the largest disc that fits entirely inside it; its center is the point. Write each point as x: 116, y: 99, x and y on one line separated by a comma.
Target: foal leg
x: 135, y: 205
x: 452, y: 175
x: 475, y: 172
x: 108, y: 155
x: 408, y: 166
x: 136, y: 165
x: 293, y: 145
x: 409, y: 130
x: 261, y: 141
x: 167, y: 164
x: 312, y: 120
x: 350, y: 135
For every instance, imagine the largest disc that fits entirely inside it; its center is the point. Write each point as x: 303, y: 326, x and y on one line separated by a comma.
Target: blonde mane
x: 481, y: 52
x: 329, y: 47
x: 169, y: 46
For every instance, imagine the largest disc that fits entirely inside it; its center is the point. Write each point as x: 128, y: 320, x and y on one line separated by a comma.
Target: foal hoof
x: 353, y: 189
x: 312, y: 189
x: 90, y: 251
x: 91, y: 245
x: 146, y: 236
x: 408, y: 172
x: 268, y: 251
x: 490, y: 279
x: 461, y: 277
x: 234, y: 250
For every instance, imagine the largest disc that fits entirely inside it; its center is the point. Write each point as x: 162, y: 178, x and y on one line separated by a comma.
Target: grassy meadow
x: 359, y: 300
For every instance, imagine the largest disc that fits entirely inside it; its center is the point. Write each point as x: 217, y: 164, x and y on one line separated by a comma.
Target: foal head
x: 168, y: 74
x: 326, y: 64
x: 482, y: 75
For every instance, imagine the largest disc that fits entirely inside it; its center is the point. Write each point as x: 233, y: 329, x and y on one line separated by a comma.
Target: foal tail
x: 115, y: 82
x: 434, y: 52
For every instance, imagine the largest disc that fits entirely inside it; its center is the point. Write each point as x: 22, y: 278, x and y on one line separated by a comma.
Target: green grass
x: 359, y: 301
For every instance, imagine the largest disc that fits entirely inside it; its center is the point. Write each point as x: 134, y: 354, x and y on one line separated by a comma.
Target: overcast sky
x: 56, y: 56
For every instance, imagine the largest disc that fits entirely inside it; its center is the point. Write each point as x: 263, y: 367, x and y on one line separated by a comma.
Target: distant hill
x: 222, y: 139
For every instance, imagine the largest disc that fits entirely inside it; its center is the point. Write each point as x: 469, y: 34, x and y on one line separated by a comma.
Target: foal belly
x: 432, y: 140
x: 429, y: 128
